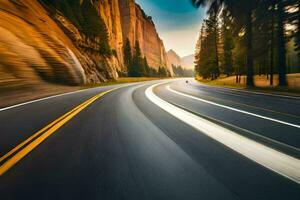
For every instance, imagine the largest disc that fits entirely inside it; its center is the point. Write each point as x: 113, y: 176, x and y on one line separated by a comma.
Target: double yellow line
x: 24, y: 148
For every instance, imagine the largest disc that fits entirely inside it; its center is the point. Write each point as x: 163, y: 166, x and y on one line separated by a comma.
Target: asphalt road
x: 127, y: 145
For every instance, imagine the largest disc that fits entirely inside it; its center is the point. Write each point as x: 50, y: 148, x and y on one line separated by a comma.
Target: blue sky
x: 177, y: 23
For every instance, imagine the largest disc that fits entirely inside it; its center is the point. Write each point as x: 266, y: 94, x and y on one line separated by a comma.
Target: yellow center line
x: 44, y: 134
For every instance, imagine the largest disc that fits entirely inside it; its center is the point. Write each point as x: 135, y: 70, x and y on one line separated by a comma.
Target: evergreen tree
x: 146, y: 66
x: 162, y: 72
x: 297, y: 35
x: 86, y: 19
x: 207, y: 60
x: 262, y: 37
x: 127, y: 53
x: 198, y: 50
x: 227, y: 34
x: 153, y: 72
x: 137, y: 66
x: 243, y: 12
x: 259, y: 29
x: 281, y: 43
x: 296, y: 20
x: 239, y: 57
x: 272, y: 42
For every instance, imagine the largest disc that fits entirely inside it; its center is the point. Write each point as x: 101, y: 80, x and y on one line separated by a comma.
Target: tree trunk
x: 250, y: 82
x: 298, y: 33
x: 272, y: 47
x: 281, y: 45
x: 216, y: 43
x: 236, y: 75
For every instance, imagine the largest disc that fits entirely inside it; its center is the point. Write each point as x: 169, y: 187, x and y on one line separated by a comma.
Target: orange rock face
x: 137, y: 26
x: 33, y: 47
x: 36, y: 47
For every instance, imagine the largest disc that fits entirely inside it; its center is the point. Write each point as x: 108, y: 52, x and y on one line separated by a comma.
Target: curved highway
x: 169, y: 139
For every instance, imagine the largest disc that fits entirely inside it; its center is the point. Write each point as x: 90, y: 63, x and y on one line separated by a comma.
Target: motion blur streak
x: 45, y: 133
x: 274, y: 160
x: 234, y: 109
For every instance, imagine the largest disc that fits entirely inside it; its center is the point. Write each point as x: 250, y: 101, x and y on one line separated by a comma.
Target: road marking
x: 239, y: 128
x: 21, y: 150
x: 231, y: 108
x: 211, y: 98
x: 272, y: 159
x: 38, y: 100
x: 248, y: 91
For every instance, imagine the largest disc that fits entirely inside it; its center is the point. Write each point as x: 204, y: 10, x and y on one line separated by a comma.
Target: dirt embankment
x: 262, y: 84
x: 293, y: 81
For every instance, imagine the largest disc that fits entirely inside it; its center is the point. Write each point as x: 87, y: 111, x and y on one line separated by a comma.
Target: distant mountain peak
x: 171, y: 51
x: 173, y: 57
x: 186, y: 61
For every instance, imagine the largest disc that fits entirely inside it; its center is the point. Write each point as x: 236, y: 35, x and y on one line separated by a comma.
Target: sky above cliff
x: 177, y: 22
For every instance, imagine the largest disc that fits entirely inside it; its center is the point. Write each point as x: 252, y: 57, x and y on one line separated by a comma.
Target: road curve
x: 124, y: 146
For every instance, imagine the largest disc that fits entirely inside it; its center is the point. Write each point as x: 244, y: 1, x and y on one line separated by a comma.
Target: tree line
x: 248, y: 37
x: 137, y: 64
x: 179, y: 71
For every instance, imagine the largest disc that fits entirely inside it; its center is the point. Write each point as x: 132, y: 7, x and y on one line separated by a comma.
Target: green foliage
x: 137, y: 64
x: 153, y: 72
x: 146, y: 66
x: 207, y: 63
x: 137, y: 67
x: 294, y: 19
x: 85, y: 17
x: 163, y: 72
x: 254, y: 38
x: 228, y: 44
x: 127, y: 53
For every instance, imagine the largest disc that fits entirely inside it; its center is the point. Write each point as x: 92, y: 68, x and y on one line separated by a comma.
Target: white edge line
x: 59, y: 95
x: 234, y: 109
x: 41, y: 99
x: 272, y: 159
x: 252, y: 133
x: 51, y: 97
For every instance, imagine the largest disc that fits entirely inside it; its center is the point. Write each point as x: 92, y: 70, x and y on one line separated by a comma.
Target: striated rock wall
x: 137, y: 26
x: 33, y: 48
x: 109, y: 10
x: 37, y: 45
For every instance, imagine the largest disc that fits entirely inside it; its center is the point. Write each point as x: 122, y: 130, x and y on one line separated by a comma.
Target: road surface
x: 152, y: 140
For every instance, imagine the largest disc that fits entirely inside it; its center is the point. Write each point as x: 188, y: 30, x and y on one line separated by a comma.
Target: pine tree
x: 228, y: 45
x: 127, y: 53
x: 162, y: 72
x: 198, y: 50
x: 272, y: 42
x: 207, y: 60
x: 146, y: 66
x: 296, y: 21
x: 297, y: 32
x: 281, y: 43
x: 137, y: 66
x: 86, y: 19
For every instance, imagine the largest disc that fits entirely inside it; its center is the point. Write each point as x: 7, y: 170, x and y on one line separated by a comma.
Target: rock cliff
x: 174, y: 58
x: 56, y: 41
x: 33, y: 48
x: 137, y: 26
x: 187, y: 62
